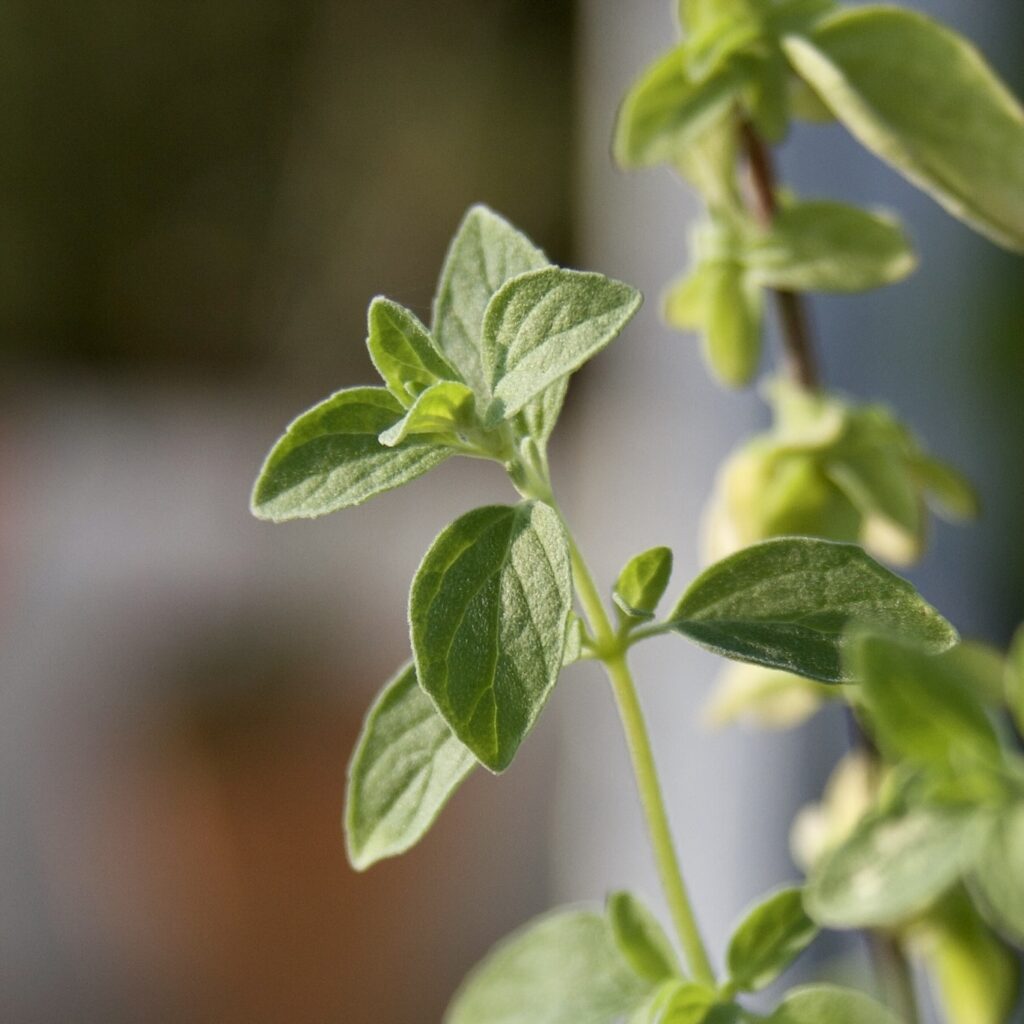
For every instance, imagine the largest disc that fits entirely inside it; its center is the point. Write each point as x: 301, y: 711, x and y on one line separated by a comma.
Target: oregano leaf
x: 831, y: 247
x: 404, y: 768
x: 789, y: 603
x: 329, y: 458
x: 485, y: 253
x: 829, y: 1004
x: 998, y: 874
x: 921, y: 97
x: 446, y: 407
x: 768, y: 939
x: 894, y: 865
x: 681, y: 1002
x: 732, y: 326
x: 948, y: 490
x: 563, y: 968
x: 488, y: 610
x: 541, y: 326
x: 642, y: 583
x: 403, y: 352
x: 640, y: 938
x: 1015, y: 679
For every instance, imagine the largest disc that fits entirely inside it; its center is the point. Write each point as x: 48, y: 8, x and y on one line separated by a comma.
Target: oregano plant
x: 919, y: 839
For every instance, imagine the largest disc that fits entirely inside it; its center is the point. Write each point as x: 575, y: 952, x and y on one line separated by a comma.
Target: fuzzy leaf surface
x: 489, y: 610
x: 830, y: 247
x: 642, y: 582
x: 789, y: 603
x: 640, y: 938
x: 998, y: 875
x: 485, y: 253
x: 768, y: 939
x: 405, y: 767
x: 921, y: 97
x: 541, y: 326
x: 330, y: 458
x: 444, y: 408
x: 829, y: 1004
x: 563, y: 968
x: 403, y: 352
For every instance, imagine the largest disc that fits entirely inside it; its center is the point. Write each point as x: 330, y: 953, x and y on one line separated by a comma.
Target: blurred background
x: 199, y: 201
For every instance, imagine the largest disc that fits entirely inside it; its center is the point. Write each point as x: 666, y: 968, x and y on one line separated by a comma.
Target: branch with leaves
x: 503, y: 601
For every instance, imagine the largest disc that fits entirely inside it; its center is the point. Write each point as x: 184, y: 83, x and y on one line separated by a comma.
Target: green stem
x: 611, y: 651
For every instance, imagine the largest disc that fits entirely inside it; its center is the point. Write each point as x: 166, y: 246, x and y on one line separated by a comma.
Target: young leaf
x: 488, y: 609
x: 769, y: 939
x: 485, y: 253
x: 893, y: 866
x: 403, y: 352
x: 732, y: 330
x: 563, y: 968
x: 822, y: 246
x: 921, y: 97
x: 948, y: 490
x: 828, y: 1004
x: 998, y: 875
x: 330, y: 458
x: 640, y: 939
x: 665, y: 110
x: 788, y: 604
x: 541, y: 326
x: 642, y: 583
x: 921, y: 709
x: 444, y: 408
x: 681, y: 1002
x: 538, y: 417
x: 405, y: 767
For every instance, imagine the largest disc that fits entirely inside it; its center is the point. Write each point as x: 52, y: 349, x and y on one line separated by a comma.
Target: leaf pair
x: 509, y: 329
x: 959, y: 812
x: 810, y: 246
x: 837, y: 470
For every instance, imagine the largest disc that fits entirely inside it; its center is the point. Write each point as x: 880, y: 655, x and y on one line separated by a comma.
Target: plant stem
x: 639, y: 743
x: 796, y: 338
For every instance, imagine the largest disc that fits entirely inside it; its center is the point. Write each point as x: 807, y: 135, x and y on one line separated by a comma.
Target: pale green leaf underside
x: 892, y: 867
x: 732, y: 323
x: 402, y: 350
x: 485, y: 253
x: 541, y: 326
x: 664, y: 111
x: 404, y: 769
x: 488, y: 610
x: 823, y: 246
x: 998, y: 877
x: 640, y: 938
x: 828, y: 1004
x: 789, y: 603
x: 921, y: 97
x: 768, y: 939
x: 560, y: 969
x: 330, y: 458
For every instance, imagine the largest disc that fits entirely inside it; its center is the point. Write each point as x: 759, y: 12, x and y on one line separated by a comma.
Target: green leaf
x: 405, y: 767
x: 489, y: 610
x: 788, y: 604
x: 538, y: 418
x: 998, y: 875
x: 822, y: 246
x: 828, y: 1004
x: 665, y: 111
x: 574, y: 632
x: 1015, y: 679
x: 678, y: 1002
x: 640, y: 938
x: 403, y: 352
x: 895, y: 865
x: 768, y: 939
x: 330, y: 458
x: 485, y: 253
x: 642, y: 583
x: 948, y: 490
x: 563, y: 968
x: 921, y: 709
x: 541, y: 326
x: 732, y: 329
x: 447, y: 407
x: 922, y: 98
x: 685, y: 304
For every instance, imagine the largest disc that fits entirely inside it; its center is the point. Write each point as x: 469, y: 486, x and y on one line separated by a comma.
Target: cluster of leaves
x: 831, y: 468
x: 759, y: 63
